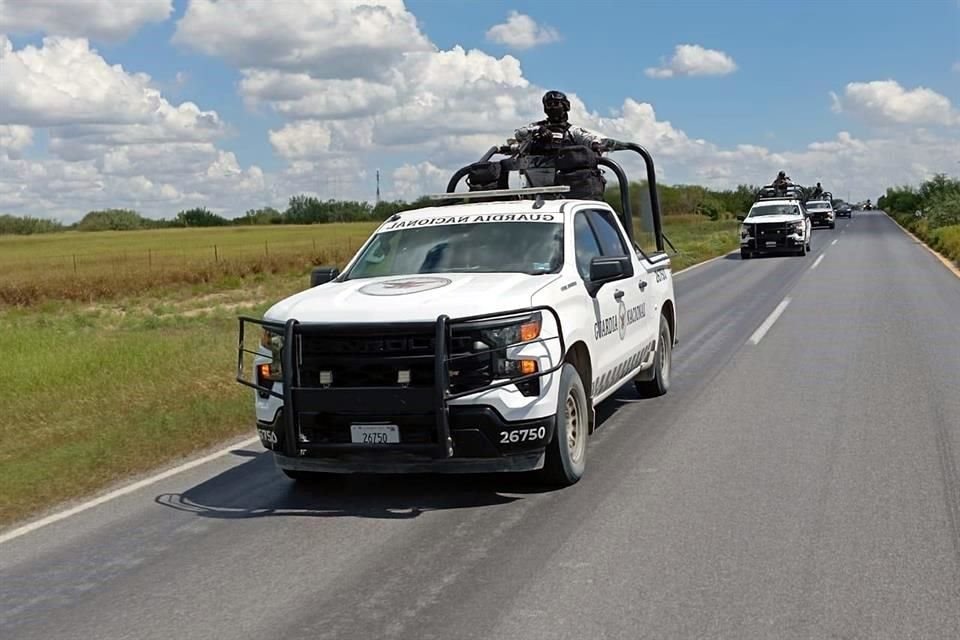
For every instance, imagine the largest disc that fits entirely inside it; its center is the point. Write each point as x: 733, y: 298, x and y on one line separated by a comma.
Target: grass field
x: 101, y: 386
x: 96, y: 266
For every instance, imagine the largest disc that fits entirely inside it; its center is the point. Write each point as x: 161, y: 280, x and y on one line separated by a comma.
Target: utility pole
x: 378, y: 186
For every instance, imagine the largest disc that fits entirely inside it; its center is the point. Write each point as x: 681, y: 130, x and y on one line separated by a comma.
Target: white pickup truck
x: 776, y: 223
x: 466, y: 337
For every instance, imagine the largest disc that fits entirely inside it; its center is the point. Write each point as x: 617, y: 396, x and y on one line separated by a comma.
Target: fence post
x: 150, y: 259
x: 266, y: 249
x: 74, y: 263
x: 216, y: 256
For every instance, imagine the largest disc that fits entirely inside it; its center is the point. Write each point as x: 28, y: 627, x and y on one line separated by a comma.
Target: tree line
x: 931, y: 211
x: 937, y: 200
x: 303, y: 209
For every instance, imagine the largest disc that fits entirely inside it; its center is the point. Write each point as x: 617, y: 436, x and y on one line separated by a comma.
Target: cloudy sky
x: 161, y: 105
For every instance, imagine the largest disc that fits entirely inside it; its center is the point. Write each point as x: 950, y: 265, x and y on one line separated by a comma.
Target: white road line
x: 835, y: 242
x: 763, y: 328
x: 816, y: 262
x: 130, y: 488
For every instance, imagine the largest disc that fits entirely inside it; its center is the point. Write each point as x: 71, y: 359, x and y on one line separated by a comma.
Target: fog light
x: 528, y: 367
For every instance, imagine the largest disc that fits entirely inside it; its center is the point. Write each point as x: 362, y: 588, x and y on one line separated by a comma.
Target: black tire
x: 567, y: 452
x: 662, y: 365
x: 745, y: 255
x: 802, y: 251
x: 833, y: 225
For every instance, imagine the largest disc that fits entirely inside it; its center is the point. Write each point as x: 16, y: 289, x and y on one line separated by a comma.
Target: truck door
x: 619, y: 308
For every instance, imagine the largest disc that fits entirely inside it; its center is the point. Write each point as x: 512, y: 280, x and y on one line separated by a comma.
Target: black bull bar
x: 402, y: 400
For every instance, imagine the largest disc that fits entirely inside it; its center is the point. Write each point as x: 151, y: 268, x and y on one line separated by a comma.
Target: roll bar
x: 516, y: 162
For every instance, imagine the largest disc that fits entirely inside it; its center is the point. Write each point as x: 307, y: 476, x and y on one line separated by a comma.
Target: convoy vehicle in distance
x: 821, y: 213
x: 844, y: 210
x: 777, y: 222
x: 469, y: 336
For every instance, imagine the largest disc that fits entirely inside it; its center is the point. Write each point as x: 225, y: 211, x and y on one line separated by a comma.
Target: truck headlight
x: 499, y: 338
x: 798, y: 227
x: 524, y: 330
x: 271, y: 371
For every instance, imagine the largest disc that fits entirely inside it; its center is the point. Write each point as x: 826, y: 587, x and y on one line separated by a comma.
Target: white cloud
x: 886, y: 101
x: 106, y: 20
x: 302, y: 140
x: 844, y: 143
x: 15, y: 138
x: 694, y: 60
x: 65, y: 83
x: 411, y: 181
x: 343, y: 39
x: 113, y: 139
x: 520, y: 31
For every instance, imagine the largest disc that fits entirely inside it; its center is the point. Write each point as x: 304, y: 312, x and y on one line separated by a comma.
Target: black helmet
x: 782, y: 174
x: 556, y: 106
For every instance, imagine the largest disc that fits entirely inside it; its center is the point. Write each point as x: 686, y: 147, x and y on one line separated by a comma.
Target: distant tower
x: 378, y: 186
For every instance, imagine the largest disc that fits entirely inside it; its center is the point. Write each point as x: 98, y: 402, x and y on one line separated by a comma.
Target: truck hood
x: 773, y: 219
x: 413, y: 298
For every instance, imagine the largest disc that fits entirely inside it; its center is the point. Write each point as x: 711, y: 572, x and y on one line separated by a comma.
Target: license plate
x: 375, y: 433
x: 771, y: 244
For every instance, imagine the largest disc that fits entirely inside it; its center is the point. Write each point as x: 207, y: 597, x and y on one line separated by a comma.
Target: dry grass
x: 107, y: 265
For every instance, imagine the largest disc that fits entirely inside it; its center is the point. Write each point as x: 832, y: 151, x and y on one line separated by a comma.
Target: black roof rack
x: 497, y: 174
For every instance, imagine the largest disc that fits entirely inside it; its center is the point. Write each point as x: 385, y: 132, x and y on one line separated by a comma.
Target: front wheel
x: 567, y: 452
x: 660, y: 383
x: 744, y: 254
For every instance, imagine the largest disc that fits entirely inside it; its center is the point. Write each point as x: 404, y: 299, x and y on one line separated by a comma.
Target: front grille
x: 356, y: 360
x: 771, y: 232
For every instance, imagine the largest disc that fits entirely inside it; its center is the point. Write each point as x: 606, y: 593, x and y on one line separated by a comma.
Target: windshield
x: 522, y: 247
x: 817, y: 205
x: 774, y: 210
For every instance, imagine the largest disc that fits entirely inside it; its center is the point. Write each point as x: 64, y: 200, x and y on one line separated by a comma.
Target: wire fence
x: 157, y: 259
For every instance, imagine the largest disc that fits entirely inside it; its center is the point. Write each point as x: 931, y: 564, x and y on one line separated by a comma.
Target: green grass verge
x: 96, y: 392
x: 944, y: 240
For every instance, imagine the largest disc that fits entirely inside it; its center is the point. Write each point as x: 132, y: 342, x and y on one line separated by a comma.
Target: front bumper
x: 821, y: 220
x: 442, y: 425
x: 771, y: 238
x: 481, y: 441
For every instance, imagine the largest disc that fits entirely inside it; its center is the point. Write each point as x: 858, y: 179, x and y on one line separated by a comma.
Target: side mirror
x: 604, y: 270
x: 323, y: 275
x: 741, y: 218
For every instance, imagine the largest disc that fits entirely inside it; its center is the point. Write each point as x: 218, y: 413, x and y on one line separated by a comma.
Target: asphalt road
x: 806, y: 486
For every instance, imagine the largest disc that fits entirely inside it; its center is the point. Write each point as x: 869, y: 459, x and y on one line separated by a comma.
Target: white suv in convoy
x: 466, y: 337
x: 775, y: 225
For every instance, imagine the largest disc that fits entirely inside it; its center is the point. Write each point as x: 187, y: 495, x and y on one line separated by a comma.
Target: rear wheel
x: 567, y: 452
x: 745, y: 255
x: 660, y: 383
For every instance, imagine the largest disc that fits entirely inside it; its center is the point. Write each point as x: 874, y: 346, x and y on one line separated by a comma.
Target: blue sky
x: 790, y: 89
